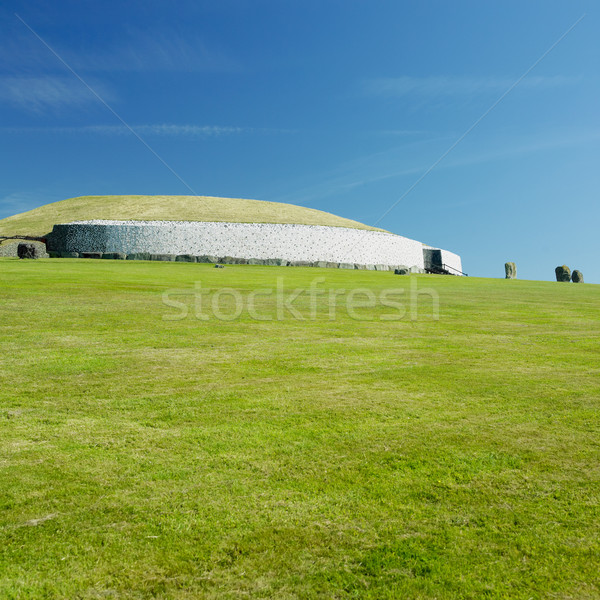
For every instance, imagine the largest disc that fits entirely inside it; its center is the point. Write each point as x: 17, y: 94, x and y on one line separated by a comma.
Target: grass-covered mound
x: 39, y: 221
x: 144, y: 457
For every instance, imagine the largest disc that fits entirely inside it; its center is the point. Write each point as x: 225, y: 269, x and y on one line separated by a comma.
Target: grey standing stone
x: 91, y: 255
x: 563, y: 273
x: 577, y: 276
x: 256, y: 261
x: 510, y: 270
x: 346, y: 266
x: 381, y: 268
x: 274, y: 262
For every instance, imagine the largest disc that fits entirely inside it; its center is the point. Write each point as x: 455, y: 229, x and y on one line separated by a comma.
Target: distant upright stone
x: 577, y: 276
x: 563, y: 273
x: 510, y: 270
x: 26, y: 251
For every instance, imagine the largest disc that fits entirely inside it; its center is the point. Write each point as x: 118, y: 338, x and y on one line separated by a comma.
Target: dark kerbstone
x: 207, y: 259
x: 381, y: 268
x: 360, y: 267
x: 563, y: 273
x: 299, y: 263
x: 346, y: 266
x: 185, y: 258
x: 162, y: 257
x: 232, y: 260
x: 332, y: 265
x: 68, y: 254
x: 510, y: 270
x: 114, y: 255
x: 256, y: 261
x: 274, y: 262
x: 91, y: 255
x: 139, y: 256
x: 370, y: 267
x: 402, y: 271
x: 577, y: 276
x: 26, y: 251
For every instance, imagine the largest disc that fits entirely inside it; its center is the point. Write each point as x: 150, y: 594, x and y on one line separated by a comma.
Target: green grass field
x: 39, y: 221
x: 144, y: 456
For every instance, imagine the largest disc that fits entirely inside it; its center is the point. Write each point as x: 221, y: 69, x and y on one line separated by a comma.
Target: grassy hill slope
x: 39, y: 221
x: 324, y: 454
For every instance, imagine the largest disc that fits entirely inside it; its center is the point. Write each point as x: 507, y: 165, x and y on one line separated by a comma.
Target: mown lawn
x: 148, y: 456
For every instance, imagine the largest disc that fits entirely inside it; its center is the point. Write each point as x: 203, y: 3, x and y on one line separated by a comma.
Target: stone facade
x: 296, y: 244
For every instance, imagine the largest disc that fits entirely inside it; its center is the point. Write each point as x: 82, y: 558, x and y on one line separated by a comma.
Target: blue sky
x: 340, y: 105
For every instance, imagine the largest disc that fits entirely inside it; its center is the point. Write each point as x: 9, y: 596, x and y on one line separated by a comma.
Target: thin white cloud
x: 43, y: 93
x: 165, y: 130
x: 123, y: 49
x: 456, y: 86
x: 150, y: 51
x: 18, y: 202
x: 415, y: 158
x: 400, y: 132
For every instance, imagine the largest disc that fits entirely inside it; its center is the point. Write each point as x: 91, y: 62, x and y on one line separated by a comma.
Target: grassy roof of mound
x: 39, y: 221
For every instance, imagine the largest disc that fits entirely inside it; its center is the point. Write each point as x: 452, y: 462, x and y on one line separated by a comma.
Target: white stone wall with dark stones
x: 241, y: 240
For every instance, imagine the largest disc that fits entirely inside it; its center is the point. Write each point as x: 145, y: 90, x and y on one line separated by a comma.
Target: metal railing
x: 444, y: 269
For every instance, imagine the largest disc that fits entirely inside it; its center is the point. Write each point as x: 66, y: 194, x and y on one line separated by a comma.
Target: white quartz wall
x: 452, y: 260
x: 241, y: 240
